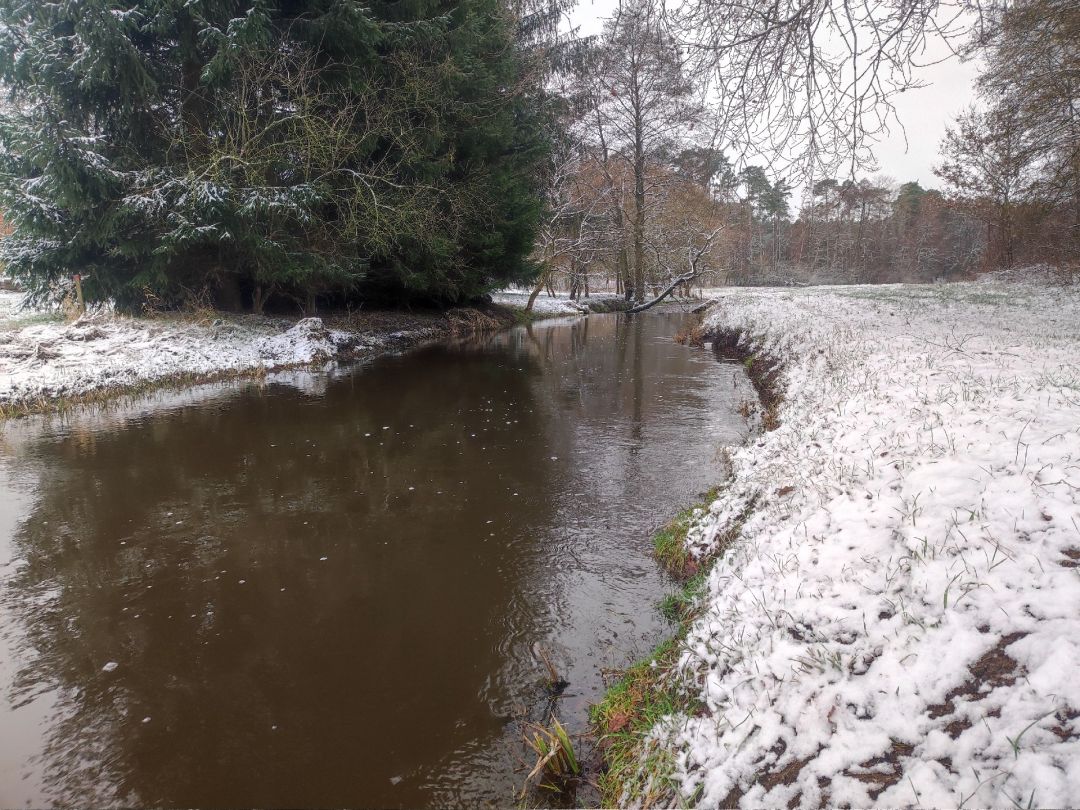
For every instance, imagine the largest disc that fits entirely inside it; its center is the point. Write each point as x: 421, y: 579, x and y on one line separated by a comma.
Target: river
x: 329, y: 589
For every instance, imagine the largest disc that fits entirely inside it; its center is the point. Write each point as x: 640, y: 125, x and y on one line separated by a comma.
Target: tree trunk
x: 227, y: 294
x: 192, y: 104
x: 626, y: 284
x: 536, y: 291
x: 639, y: 224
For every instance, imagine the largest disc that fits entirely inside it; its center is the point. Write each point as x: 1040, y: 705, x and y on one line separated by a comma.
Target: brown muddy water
x: 328, y: 589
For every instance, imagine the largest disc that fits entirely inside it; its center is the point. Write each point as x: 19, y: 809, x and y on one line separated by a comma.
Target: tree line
x: 645, y: 191
x: 283, y: 153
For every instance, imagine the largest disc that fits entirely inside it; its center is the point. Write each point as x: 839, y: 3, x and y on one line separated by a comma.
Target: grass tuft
x: 679, y: 606
x: 556, y: 760
x: 695, y: 336
x: 669, y: 544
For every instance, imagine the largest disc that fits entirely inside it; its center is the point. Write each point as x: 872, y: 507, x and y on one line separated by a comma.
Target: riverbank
x: 886, y: 607
x: 558, y: 305
x: 49, y: 364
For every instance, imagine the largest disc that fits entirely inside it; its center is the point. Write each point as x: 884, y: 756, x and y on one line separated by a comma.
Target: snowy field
x: 898, y: 621
x: 42, y: 357
x: 12, y: 314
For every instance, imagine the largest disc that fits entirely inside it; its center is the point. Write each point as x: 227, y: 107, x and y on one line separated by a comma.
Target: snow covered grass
x: 46, y: 363
x: 12, y: 314
x: 543, y: 305
x: 548, y: 306
x: 895, y: 619
x: 10, y: 303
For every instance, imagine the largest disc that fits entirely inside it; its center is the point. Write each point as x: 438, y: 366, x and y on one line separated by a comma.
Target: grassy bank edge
x: 638, y: 769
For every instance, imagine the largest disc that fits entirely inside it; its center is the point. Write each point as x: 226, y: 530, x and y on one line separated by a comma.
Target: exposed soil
x: 762, y: 368
x: 993, y: 669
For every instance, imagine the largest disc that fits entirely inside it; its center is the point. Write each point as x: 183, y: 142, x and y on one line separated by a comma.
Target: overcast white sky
x: 924, y: 112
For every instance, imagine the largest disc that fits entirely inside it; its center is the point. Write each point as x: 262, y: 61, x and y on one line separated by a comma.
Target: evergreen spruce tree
x: 259, y: 148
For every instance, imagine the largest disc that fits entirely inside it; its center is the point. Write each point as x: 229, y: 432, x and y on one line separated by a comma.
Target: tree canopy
x: 257, y: 148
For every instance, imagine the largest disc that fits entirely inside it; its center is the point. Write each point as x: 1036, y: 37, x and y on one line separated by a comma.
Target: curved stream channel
x: 328, y: 589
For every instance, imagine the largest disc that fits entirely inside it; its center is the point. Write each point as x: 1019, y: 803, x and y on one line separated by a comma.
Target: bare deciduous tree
x: 645, y: 101
x: 1032, y: 74
x: 987, y: 163
x: 570, y: 234
x: 812, y: 81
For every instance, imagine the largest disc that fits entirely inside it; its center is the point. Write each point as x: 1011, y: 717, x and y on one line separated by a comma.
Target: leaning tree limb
x: 693, y: 259
x: 683, y: 279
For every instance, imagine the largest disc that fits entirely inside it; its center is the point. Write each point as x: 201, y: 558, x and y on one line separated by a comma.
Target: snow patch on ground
x: 52, y: 358
x: 1038, y: 274
x: 10, y: 304
x: 544, y: 304
x: 898, y: 620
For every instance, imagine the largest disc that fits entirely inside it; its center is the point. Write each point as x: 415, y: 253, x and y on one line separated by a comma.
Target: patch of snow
x: 53, y: 359
x: 544, y: 304
x: 10, y: 305
x: 1038, y: 274
x: 897, y: 621
x: 307, y: 342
